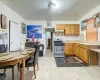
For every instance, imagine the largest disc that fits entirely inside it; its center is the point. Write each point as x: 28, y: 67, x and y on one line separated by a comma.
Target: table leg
x: 22, y: 71
x: 13, y: 73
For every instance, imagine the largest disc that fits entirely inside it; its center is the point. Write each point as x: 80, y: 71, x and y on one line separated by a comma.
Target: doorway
x: 49, y: 39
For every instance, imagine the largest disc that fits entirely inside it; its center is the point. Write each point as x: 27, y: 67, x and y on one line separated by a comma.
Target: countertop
x: 83, y: 42
x: 95, y: 50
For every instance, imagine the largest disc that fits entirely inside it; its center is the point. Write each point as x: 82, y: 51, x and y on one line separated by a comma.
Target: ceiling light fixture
x: 51, y: 5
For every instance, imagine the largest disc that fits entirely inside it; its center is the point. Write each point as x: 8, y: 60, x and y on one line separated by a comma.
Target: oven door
x: 59, y: 49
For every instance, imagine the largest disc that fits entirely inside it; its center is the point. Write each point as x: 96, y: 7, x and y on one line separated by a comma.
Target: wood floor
x: 49, y: 71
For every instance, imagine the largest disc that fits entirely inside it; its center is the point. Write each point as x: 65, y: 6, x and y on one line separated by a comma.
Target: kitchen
x: 83, y: 50
x: 73, y: 53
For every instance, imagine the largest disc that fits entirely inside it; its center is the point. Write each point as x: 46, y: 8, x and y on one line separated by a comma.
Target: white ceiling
x: 65, y: 10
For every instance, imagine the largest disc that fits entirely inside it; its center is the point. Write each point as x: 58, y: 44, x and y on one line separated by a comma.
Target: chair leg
x: 13, y: 73
x: 37, y: 66
x: 18, y: 66
x: 4, y: 70
x: 34, y: 72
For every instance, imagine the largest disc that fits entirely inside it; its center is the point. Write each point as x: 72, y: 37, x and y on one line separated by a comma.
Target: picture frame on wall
x: 83, y: 25
x: 97, y: 20
x: 23, y: 28
x: 34, y: 31
x: 3, y: 21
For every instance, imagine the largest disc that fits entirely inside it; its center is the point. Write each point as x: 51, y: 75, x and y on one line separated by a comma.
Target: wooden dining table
x: 18, y: 57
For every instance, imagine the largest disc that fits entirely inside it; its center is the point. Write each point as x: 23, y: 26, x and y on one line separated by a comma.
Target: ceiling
x: 65, y: 10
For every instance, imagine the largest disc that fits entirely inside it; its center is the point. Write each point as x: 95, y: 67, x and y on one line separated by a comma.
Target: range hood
x: 59, y: 30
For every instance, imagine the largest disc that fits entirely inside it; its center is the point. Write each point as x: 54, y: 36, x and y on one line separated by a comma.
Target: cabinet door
x: 72, y: 30
x: 77, y: 30
x: 73, y: 52
x: 57, y: 27
x: 67, y: 30
x: 85, y: 57
x: 68, y: 50
x: 77, y: 51
x: 60, y: 26
x: 65, y: 50
x: 81, y: 53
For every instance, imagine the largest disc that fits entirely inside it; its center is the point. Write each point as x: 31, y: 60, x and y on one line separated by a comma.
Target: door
x: 14, y: 36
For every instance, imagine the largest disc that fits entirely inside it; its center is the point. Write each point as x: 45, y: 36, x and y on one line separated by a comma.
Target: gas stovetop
x: 58, y: 43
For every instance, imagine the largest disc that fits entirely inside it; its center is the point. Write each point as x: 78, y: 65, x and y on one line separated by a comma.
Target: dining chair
x: 30, y: 44
x: 9, y: 67
x: 2, y: 76
x: 33, y: 61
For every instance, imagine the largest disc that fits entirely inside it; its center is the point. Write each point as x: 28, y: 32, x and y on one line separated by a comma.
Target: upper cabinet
x: 76, y: 29
x: 69, y: 29
x: 60, y: 26
x: 72, y: 30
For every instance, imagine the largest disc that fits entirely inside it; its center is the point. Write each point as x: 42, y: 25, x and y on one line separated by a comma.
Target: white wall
x: 13, y: 16
x: 87, y: 16
x: 43, y: 23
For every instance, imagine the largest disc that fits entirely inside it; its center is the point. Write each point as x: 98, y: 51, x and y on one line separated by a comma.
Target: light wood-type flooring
x: 49, y: 71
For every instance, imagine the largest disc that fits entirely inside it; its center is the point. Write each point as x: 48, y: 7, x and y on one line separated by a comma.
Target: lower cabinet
x: 77, y: 50
x: 68, y: 49
x: 85, y: 55
x: 81, y: 51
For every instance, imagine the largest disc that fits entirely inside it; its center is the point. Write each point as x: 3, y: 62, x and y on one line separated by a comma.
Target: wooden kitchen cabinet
x: 72, y: 30
x: 81, y: 51
x: 85, y: 55
x: 60, y: 26
x: 67, y: 31
x: 77, y: 30
x: 77, y: 51
x: 68, y: 49
x: 74, y: 51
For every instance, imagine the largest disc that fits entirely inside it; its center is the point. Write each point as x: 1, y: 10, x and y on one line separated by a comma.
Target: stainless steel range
x: 58, y: 48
